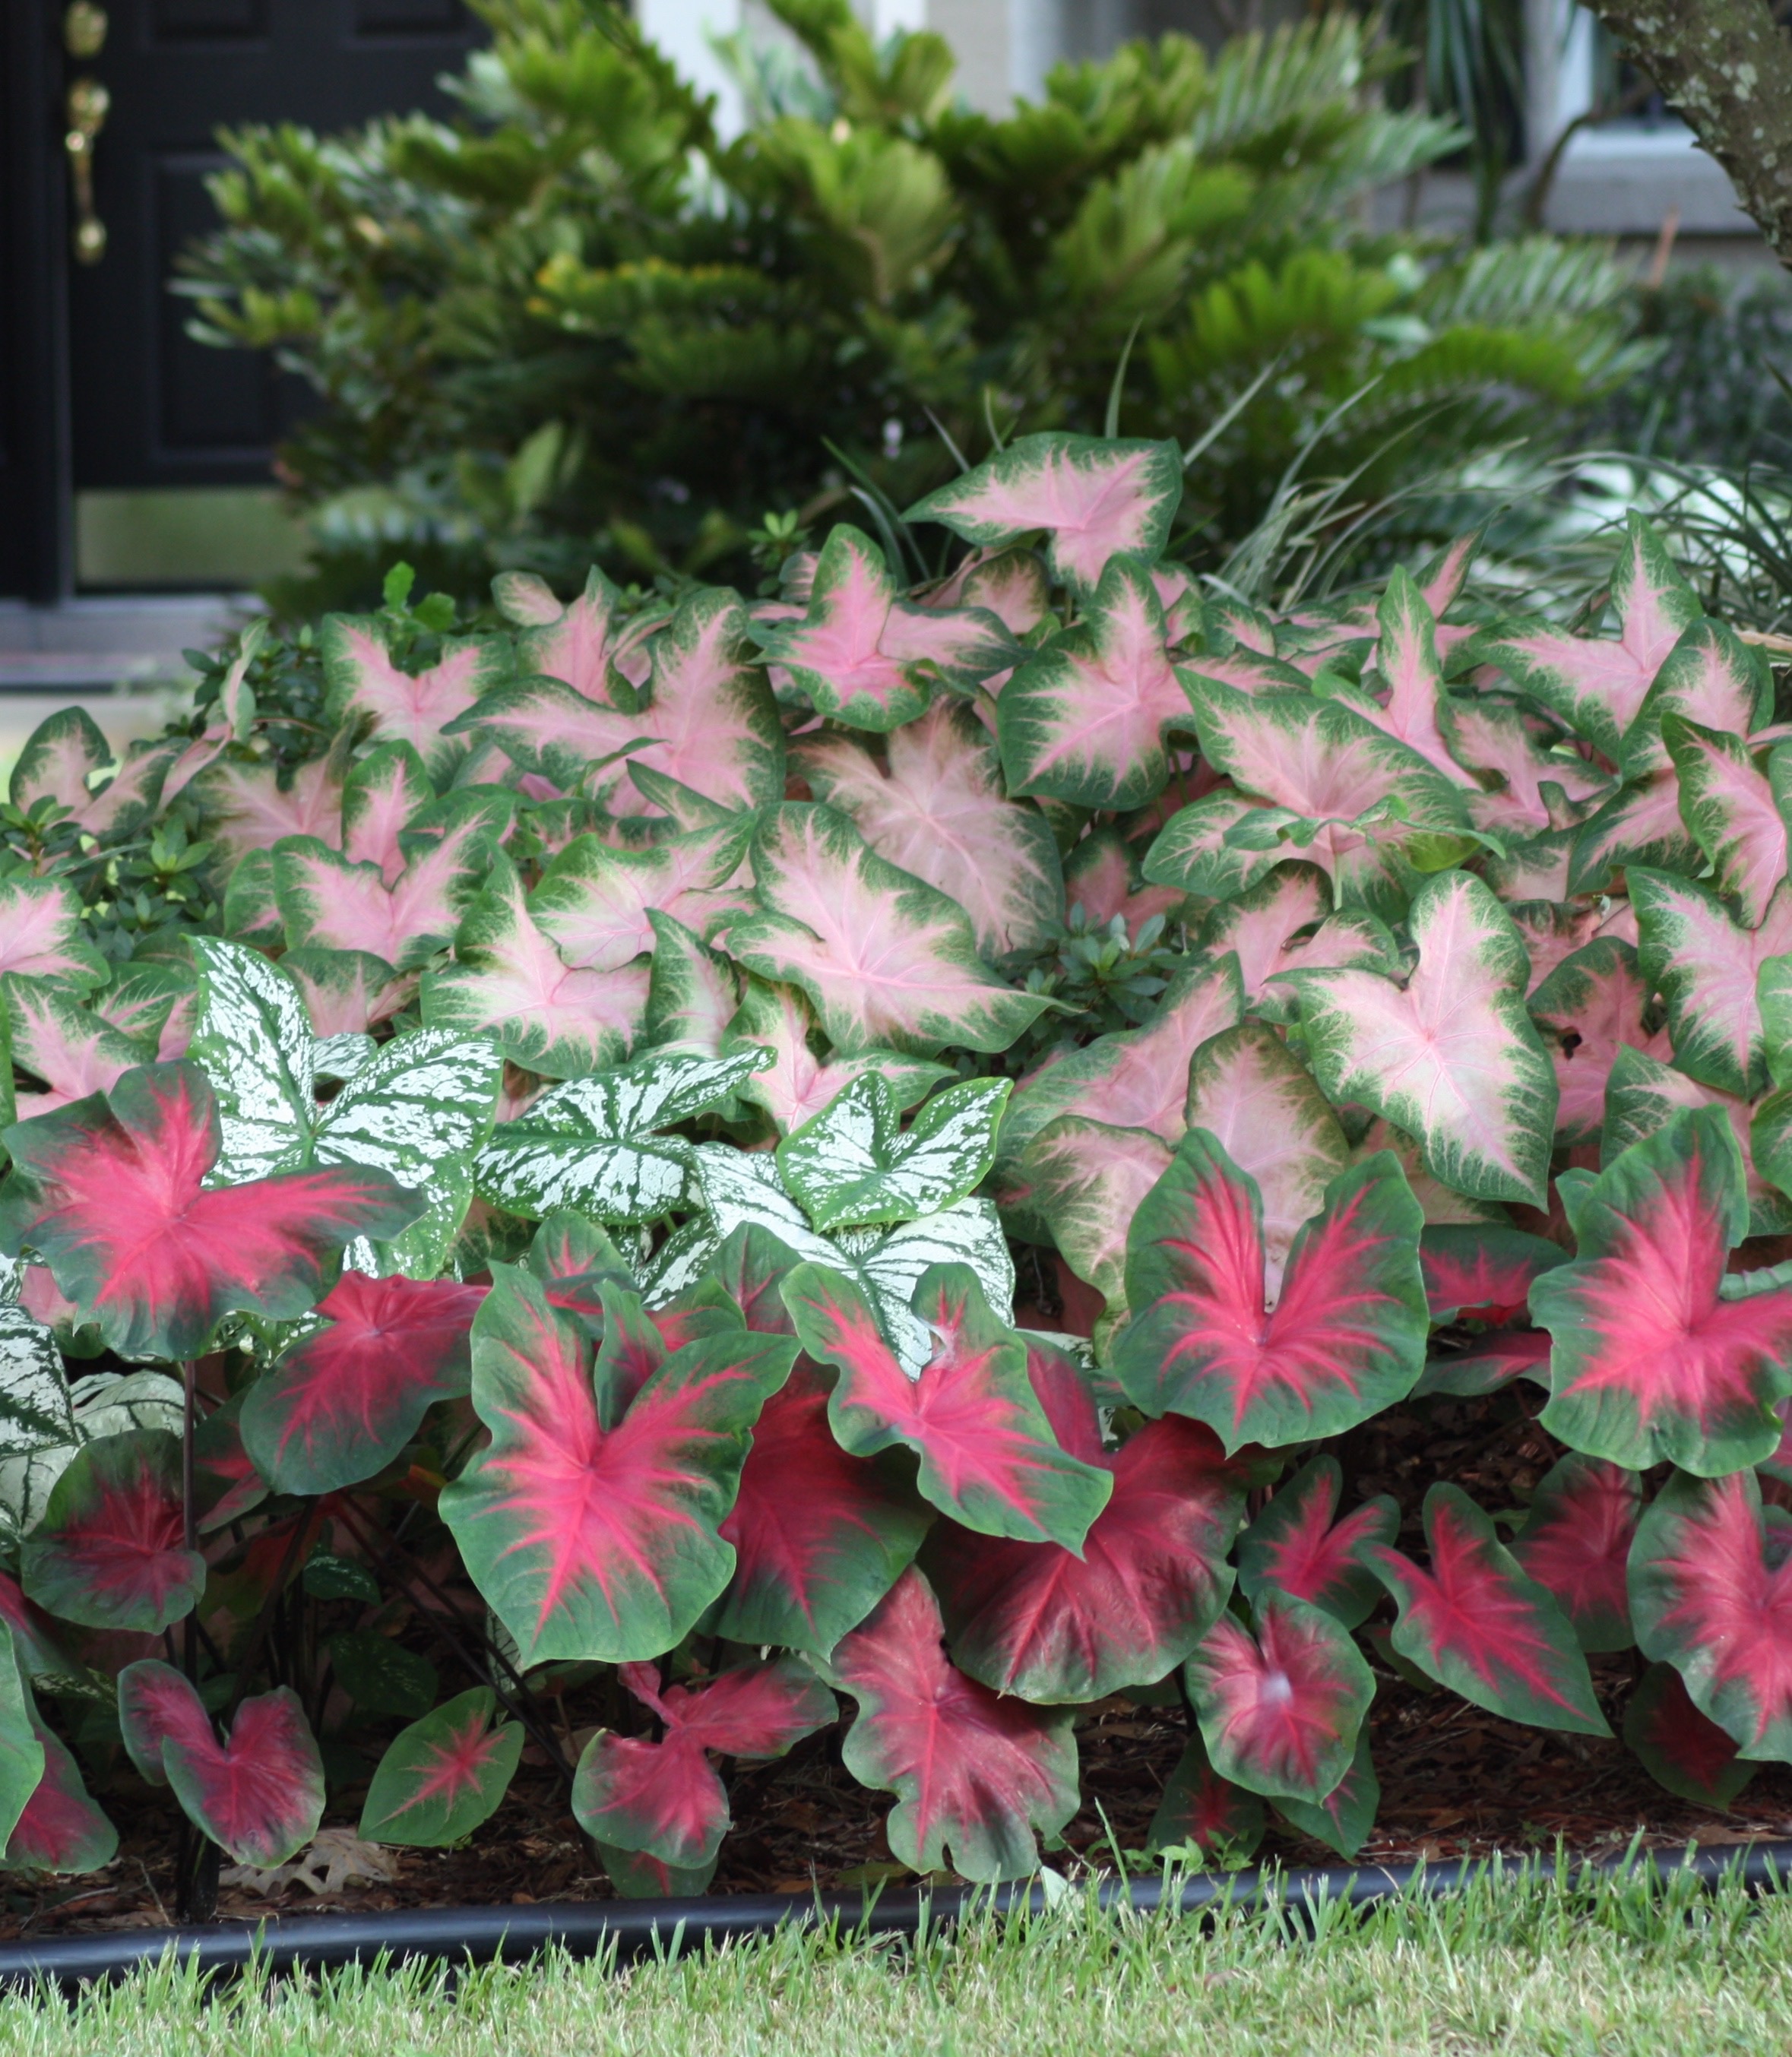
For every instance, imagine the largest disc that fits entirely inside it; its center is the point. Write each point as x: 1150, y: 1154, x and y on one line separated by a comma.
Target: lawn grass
x: 1537, y: 1966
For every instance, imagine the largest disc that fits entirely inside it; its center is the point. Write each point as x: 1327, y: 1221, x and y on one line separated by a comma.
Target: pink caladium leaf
x: 62, y: 758
x: 1452, y: 1057
x: 1518, y: 748
x: 328, y: 903
x: 1093, y: 497
x: 693, y: 992
x: 1410, y: 677
x: 975, y: 1773
x: 1707, y: 1596
x: 42, y: 936
x: 1734, y: 813
x: 935, y: 808
x: 864, y: 657
x: 1711, y: 677
x: 1280, y: 1709
x: 1102, y: 880
x: 711, y: 720
x: 818, y: 1536
x: 415, y: 708
x: 665, y: 1798
x: 1201, y: 1811
x: 887, y: 960
x: 1343, y: 1819
x: 590, y: 1527
x: 1344, y: 1338
x: 1657, y: 1355
x: 1135, y: 1078
x: 1478, y: 1625
x: 509, y: 982
x: 798, y: 1084
x: 1300, y: 1548
x: 582, y: 642
x: 251, y: 806
x: 341, y: 1402
x: 1011, y: 583
x: 260, y: 1795
x: 1487, y: 1364
x: 1041, y: 1621
x: 443, y: 1776
x: 74, y: 1051
x: 346, y: 993
x: 109, y: 1192
x: 1086, y: 1181
x: 593, y: 902
x: 1254, y: 1097
x: 1576, y: 1544
x: 109, y: 1551
x: 1483, y: 1274
x: 61, y: 1829
x: 1680, y: 1748
x: 1640, y: 825
x: 1590, y: 1007
x: 382, y: 794
x: 1598, y: 687
x: 986, y: 1451
x: 1285, y: 923
x: 1085, y: 719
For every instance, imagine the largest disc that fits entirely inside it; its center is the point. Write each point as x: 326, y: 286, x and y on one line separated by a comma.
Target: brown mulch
x: 1455, y: 1781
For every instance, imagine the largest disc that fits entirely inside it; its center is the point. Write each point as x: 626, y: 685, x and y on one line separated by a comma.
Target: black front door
x: 147, y: 409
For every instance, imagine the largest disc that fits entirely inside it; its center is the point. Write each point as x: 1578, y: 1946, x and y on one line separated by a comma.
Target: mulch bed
x: 1455, y: 1781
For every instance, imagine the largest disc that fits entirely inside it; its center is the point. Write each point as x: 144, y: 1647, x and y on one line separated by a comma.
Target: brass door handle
x: 88, y: 103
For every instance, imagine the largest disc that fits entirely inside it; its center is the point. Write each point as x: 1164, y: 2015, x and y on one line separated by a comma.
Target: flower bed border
x: 673, y: 1927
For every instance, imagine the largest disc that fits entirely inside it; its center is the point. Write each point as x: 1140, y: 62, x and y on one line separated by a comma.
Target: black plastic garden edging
x: 669, y: 1928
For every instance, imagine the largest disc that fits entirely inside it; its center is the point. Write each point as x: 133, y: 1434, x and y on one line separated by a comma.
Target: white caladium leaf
x: 45, y: 1418
x: 1452, y: 1057
x: 1085, y: 719
x: 41, y: 935
x: 742, y: 1188
x: 935, y: 808
x: 1736, y: 813
x: 593, y: 900
x: 692, y: 993
x: 1085, y: 1180
x: 1705, y: 966
x: 252, y: 1037
x: 855, y: 1163
x: 1598, y: 687
x: 871, y: 659
x: 404, y: 706
x: 887, y: 960
x: 595, y: 1145
x: 797, y: 1085
x: 1284, y: 923
x: 1250, y: 1091
x: 509, y: 982
x: 1711, y: 677
x: 340, y: 1056
x: 1093, y: 497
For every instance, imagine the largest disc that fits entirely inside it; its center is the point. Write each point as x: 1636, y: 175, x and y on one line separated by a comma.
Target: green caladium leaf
x: 853, y: 1163
x: 444, y: 1776
x: 595, y: 1144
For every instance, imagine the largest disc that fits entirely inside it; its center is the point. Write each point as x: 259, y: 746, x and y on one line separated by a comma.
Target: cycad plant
x: 575, y: 322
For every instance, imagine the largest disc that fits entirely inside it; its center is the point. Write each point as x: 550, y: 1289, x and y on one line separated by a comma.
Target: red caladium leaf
x: 1038, y: 1620
x: 665, y: 1798
x: 988, y: 1456
x: 1343, y: 1819
x: 1092, y: 496
x: 1475, y: 1622
x: 1706, y: 967
x: 1598, y: 688
x: 109, y: 1191
x: 444, y: 1775
x: 1576, y: 1544
x: 1201, y: 1811
x: 1345, y: 1338
x: 343, y: 1401
x: 1298, y: 1547
x: 820, y: 1537
x: 590, y: 1526
x: 1707, y: 1597
x: 260, y: 1795
x: 1680, y: 1748
x: 1279, y: 1711
x: 61, y: 1829
x: 1486, y: 1363
x: 109, y: 1551
x: 975, y: 1773
x: 1483, y: 1274
x: 935, y: 808
x: 1656, y: 1354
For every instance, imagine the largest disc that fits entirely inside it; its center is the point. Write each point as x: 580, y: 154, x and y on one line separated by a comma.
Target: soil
x: 1455, y: 1781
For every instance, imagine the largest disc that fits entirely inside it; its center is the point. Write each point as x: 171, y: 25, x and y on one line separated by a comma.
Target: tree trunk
x: 1726, y: 66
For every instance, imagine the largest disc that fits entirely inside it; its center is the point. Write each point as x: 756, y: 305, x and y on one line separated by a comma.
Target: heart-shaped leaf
x: 1297, y: 1546
x: 1680, y: 1748
x: 1201, y: 1810
x: 109, y: 1552
x: 855, y: 1163
x: 444, y: 1776
x: 1576, y: 1544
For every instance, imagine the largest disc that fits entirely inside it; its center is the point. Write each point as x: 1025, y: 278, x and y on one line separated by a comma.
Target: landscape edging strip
x: 670, y: 1927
